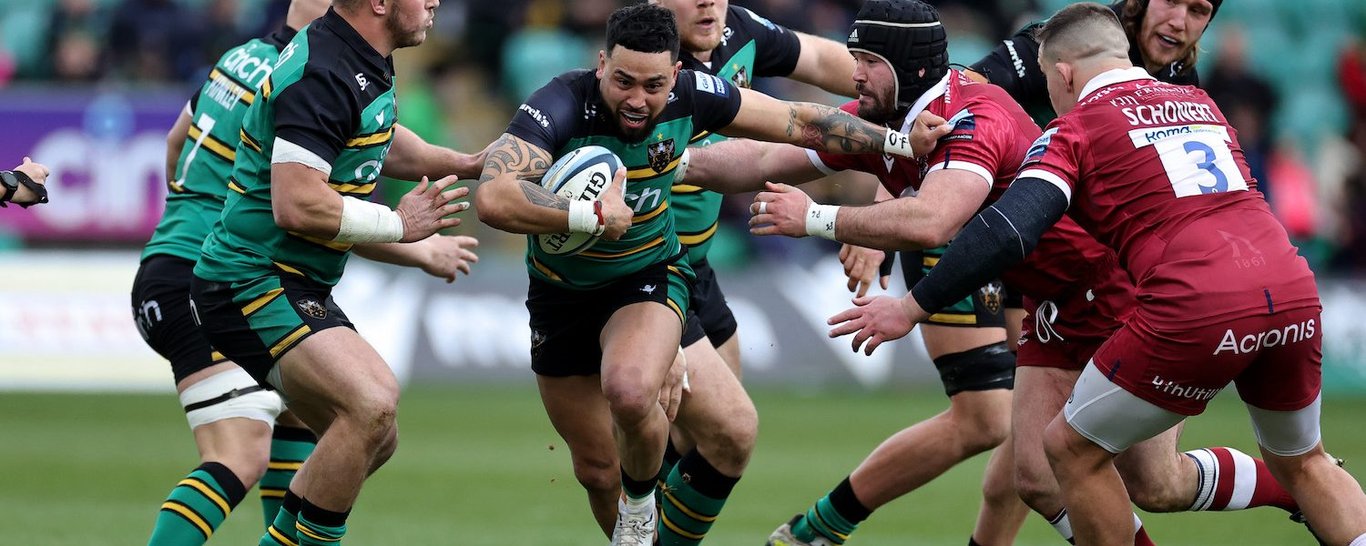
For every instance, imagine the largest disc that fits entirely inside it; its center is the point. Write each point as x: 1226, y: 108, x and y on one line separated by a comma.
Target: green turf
x: 481, y: 466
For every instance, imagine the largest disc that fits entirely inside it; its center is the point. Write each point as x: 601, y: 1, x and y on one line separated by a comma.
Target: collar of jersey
x: 354, y: 40
x: 1112, y: 77
x: 925, y: 99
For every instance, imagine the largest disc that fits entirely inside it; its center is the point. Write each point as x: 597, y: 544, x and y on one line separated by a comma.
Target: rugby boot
x: 635, y: 526
x: 782, y: 536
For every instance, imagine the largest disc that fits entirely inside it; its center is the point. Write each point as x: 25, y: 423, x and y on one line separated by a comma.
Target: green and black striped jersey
x: 751, y: 46
x: 194, y: 199
x: 568, y: 113
x: 330, y: 105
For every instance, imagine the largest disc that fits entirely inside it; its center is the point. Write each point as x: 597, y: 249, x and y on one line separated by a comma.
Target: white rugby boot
x: 782, y: 536
x: 635, y: 524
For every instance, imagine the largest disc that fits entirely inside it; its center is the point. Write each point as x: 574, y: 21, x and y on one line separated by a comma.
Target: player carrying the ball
x: 606, y: 322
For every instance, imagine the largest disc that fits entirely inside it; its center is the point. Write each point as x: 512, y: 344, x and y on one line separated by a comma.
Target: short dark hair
x: 643, y: 27
x: 1071, y: 15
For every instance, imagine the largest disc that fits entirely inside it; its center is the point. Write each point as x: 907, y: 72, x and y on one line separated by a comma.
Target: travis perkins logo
x: 661, y: 155
x: 312, y: 308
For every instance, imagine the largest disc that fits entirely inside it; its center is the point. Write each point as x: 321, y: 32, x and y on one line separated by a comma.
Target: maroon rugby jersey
x: 991, y: 137
x: 1154, y: 171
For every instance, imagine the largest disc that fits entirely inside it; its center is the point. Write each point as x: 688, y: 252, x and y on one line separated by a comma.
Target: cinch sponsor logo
x: 1275, y: 337
x: 1172, y: 388
x: 536, y: 115
x: 250, y: 69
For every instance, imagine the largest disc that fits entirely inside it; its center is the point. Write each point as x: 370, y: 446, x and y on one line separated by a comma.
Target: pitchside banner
x: 107, y: 152
x: 68, y: 326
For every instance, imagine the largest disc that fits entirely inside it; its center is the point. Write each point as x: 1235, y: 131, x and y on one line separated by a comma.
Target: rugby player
x: 1163, y: 183
x: 310, y: 146
x: 1163, y: 39
x: 901, y: 73
x: 606, y: 323
x: 738, y: 45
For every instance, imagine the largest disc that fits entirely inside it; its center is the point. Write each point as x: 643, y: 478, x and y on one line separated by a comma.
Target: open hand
x: 450, y: 255
x: 875, y: 320
x: 426, y: 208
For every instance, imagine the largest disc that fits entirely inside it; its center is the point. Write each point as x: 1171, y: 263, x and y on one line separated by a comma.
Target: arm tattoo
x: 542, y: 197
x: 834, y: 130
x: 510, y: 154
x: 514, y: 155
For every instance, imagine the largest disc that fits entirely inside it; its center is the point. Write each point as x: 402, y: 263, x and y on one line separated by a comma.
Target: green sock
x: 281, y: 531
x: 693, y: 497
x: 319, y: 526
x: 197, y: 506
x: 835, y: 516
x: 671, y: 457
x: 289, y: 446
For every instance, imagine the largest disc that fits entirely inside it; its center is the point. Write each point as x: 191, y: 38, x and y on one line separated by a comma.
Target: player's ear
x: 378, y: 7
x: 1065, y: 72
x: 677, y: 66
x: 602, y: 63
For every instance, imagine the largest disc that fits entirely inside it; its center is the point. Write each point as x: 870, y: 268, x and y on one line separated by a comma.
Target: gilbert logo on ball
x: 581, y: 175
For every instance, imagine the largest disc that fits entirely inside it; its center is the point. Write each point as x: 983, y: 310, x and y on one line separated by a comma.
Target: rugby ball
x: 580, y: 175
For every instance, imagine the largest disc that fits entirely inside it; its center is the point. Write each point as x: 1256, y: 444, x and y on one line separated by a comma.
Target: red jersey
x: 991, y: 136
x: 1154, y: 171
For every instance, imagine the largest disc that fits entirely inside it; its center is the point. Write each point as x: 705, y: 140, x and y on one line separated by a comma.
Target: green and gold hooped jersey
x: 569, y: 113
x: 751, y: 46
x: 329, y: 105
x: 194, y: 199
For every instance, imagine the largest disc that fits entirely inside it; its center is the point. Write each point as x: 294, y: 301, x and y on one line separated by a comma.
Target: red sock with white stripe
x: 1232, y: 480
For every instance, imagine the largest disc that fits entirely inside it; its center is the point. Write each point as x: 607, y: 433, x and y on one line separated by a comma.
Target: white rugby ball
x: 580, y: 175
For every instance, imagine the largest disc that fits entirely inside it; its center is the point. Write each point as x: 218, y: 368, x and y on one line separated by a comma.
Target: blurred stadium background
x: 89, y: 424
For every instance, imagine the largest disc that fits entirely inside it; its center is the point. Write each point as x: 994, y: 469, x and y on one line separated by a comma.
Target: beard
x: 882, y: 110
x: 404, y: 37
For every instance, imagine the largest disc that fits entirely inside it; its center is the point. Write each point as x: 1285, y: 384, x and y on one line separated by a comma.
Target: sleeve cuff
x: 964, y: 166
x: 285, y: 151
x: 815, y: 158
x: 1050, y: 178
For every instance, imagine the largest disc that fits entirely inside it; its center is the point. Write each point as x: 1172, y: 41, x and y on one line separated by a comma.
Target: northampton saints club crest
x: 312, y: 308
x: 741, y: 78
x: 661, y: 155
x: 992, y: 296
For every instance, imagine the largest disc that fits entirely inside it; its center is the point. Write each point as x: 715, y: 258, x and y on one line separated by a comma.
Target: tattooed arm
x: 510, y: 198
x: 814, y: 126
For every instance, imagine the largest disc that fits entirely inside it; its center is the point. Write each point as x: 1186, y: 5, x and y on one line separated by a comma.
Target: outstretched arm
x: 411, y: 158
x: 1000, y: 236
x: 826, y: 64
x: 742, y: 165
x: 814, y: 126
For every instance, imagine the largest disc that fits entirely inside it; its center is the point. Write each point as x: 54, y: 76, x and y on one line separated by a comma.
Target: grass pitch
x: 482, y: 466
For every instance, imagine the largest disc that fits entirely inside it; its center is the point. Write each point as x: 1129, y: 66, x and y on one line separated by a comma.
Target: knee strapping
x: 226, y: 395
x: 984, y: 368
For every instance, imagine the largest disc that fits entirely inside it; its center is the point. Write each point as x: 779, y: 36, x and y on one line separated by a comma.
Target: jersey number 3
x: 1199, y: 164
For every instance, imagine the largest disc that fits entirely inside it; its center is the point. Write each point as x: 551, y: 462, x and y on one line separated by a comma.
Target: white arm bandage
x: 366, y: 222
x: 584, y: 219
x: 820, y: 220
x: 898, y: 143
x: 682, y: 168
